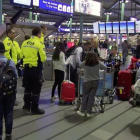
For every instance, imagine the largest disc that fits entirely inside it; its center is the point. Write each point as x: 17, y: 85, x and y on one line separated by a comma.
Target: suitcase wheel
x: 111, y: 100
x: 134, y: 102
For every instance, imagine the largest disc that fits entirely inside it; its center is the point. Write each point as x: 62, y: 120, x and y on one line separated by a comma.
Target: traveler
x: 74, y: 60
x: 91, y: 77
x: 59, y: 67
x: 106, y: 43
x: 124, y: 50
x: 6, y: 99
x: 95, y: 47
x: 116, y: 59
x: 138, y: 49
x: 9, y: 45
x: 33, y: 56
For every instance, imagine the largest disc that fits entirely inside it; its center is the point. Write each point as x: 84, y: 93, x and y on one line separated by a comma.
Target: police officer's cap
x: 2, y: 48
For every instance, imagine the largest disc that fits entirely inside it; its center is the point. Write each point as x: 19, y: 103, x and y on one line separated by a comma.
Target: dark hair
x: 43, y: 27
x: 91, y: 60
x: 9, y: 30
x: 27, y: 37
x: 125, y: 41
x: 59, y: 47
x: 114, y: 47
x: 87, y: 43
x: 36, y: 31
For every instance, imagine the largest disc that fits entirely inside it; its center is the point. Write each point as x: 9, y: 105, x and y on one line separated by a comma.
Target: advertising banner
x: 89, y: 7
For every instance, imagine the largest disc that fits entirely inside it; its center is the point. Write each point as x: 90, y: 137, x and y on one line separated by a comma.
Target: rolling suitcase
x: 68, y: 91
x: 124, y: 84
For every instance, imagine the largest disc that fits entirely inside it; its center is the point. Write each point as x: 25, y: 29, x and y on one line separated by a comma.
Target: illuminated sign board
x: 74, y: 29
x: 96, y: 27
x: 55, y: 6
x: 22, y: 2
x: 89, y: 7
x: 137, y: 26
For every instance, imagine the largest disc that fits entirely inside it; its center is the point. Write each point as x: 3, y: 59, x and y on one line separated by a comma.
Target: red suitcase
x: 124, y: 84
x: 68, y: 90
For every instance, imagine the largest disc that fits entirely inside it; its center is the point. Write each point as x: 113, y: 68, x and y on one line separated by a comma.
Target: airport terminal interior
x: 73, y: 21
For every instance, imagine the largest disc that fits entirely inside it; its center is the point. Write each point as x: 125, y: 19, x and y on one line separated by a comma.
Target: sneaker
x: 8, y: 138
x: 38, y: 112
x: 88, y: 115
x: 15, y: 103
x: 81, y: 113
x: 53, y: 98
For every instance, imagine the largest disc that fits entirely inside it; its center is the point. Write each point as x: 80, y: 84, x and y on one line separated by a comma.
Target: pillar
x: 36, y: 18
x: 0, y: 12
x: 122, y: 17
x: 3, y: 18
x: 81, y: 28
x: 107, y: 20
x: 30, y: 16
x: 70, y: 28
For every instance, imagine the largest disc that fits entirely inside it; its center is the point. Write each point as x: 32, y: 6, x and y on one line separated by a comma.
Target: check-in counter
x: 48, y: 69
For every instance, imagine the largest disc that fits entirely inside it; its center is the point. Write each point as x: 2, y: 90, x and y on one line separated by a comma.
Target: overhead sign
x: 75, y: 29
x: 22, y: 2
x: 89, y: 7
x: 55, y: 6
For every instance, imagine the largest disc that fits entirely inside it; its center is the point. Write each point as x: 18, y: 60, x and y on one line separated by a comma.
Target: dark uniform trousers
x: 32, y: 80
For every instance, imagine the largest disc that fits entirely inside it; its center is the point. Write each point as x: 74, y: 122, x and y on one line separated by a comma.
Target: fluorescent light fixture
x: 4, y: 14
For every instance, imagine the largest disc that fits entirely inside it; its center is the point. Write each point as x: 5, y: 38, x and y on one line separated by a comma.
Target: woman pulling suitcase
x: 59, y: 68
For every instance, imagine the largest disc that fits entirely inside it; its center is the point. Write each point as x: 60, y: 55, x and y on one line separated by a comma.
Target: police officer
x: 33, y: 56
x: 11, y: 52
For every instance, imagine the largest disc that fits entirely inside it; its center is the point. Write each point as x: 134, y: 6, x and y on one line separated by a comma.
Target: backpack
x: 8, y: 79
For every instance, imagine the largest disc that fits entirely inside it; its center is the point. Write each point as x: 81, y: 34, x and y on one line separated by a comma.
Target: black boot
x: 26, y: 108
x: 37, y: 111
x: 8, y: 138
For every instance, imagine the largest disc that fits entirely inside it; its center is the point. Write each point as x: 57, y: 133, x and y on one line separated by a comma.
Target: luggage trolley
x: 99, y: 96
x: 110, y: 91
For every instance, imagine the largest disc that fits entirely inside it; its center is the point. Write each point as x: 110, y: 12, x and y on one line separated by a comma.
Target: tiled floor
x: 119, y: 122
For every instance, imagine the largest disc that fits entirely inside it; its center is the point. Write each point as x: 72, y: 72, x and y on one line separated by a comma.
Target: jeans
x: 59, y: 77
x: 6, y: 110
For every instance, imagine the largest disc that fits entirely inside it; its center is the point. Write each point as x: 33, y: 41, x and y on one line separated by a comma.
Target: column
x: 0, y: 12
x: 122, y: 16
x: 3, y: 16
x: 30, y: 16
x: 70, y: 28
x: 107, y: 20
x: 36, y: 18
x: 81, y: 28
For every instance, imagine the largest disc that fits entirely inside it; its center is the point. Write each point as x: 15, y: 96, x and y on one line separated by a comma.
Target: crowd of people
x: 32, y: 55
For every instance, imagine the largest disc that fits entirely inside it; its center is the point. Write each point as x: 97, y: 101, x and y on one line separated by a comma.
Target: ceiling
x: 108, y: 6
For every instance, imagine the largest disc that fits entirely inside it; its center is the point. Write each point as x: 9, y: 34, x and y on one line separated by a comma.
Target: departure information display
x: 137, y: 26
x: 55, y: 6
x: 131, y: 27
x: 96, y: 27
x: 108, y: 27
x: 102, y: 27
x: 123, y: 27
x: 116, y: 29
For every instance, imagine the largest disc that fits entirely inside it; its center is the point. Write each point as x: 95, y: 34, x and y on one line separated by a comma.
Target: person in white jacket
x: 59, y: 67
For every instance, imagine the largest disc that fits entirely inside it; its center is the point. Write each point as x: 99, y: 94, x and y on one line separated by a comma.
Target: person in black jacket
x: 105, y: 45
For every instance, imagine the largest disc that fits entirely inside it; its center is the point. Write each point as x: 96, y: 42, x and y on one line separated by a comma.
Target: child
x: 7, y: 98
x: 91, y: 77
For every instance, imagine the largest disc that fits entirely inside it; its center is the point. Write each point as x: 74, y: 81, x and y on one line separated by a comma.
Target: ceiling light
x: 75, y: 34
x: 88, y: 35
x: 4, y: 14
x: 101, y: 35
x: 95, y: 35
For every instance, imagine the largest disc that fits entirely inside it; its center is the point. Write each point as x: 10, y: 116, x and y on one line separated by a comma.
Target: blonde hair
x: 95, y: 41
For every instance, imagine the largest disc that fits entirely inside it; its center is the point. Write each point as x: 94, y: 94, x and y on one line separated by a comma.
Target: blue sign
x: 55, y: 6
